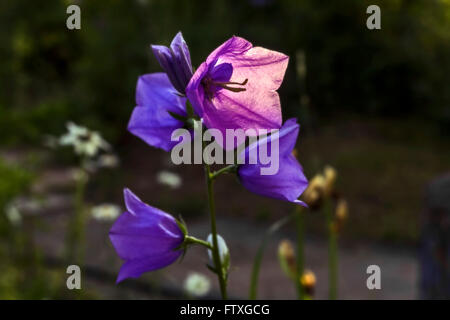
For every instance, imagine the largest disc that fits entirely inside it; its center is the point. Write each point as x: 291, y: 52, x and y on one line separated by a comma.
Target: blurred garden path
x: 399, y: 265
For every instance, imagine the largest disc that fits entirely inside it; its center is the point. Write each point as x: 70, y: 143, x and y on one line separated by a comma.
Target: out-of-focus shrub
x: 89, y: 75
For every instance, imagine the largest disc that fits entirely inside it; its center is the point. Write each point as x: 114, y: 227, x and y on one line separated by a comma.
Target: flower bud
x: 341, y: 210
x: 286, y: 257
x: 308, y: 282
x: 176, y: 62
x: 224, y: 253
x: 315, y: 190
x: 330, y: 175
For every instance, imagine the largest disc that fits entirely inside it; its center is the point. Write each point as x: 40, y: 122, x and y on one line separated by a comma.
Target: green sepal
x: 189, y: 109
x: 177, y: 116
x: 182, y: 225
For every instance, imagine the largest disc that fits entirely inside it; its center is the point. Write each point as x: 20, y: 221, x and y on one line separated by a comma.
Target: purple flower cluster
x: 235, y: 88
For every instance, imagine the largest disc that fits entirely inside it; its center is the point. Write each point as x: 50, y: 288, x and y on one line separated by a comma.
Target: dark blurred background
x: 374, y: 104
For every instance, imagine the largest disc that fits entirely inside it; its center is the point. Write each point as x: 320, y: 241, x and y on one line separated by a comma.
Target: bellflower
x: 289, y: 182
x: 151, y: 120
x: 145, y: 237
x: 235, y: 87
x: 176, y: 62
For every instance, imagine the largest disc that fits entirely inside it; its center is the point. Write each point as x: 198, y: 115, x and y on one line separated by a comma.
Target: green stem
x: 300, y: 253
x: 190, y: 239
x: 75, y: 238
x: 215, y: 250
x: 259, y: 255
x: 332, y: 252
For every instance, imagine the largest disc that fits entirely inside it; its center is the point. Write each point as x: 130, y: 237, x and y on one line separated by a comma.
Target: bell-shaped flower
x: 289, y: 182
x: 176, y: 62
x: 235, y: 88
x: 145, y: 237
x: 151, y: 119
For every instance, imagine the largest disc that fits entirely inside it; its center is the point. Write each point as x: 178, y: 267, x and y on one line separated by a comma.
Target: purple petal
x: 135, y: 268
x: 258, y: 107
x: 146, y: 212
x: 235, y: 46
x: 222, y: 72
x: 151, y: 120
x: 287, y: 184
x: 286, y: 136
x: 194, y: 90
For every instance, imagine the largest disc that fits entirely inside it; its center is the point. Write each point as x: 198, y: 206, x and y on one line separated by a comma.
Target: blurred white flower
x: 197, y: 285
x: 224, y: 253
x: 73, y: 135
x: 13, y: 214
x: 85, y: 142
x: 170, y: 179
x: 105, y: 212
x: 108, y: 161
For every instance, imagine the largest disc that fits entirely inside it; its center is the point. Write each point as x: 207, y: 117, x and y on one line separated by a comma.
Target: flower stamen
x: 209, y: 83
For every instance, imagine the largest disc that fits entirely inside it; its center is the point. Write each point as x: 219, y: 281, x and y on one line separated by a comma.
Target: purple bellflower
x: 235, y: 88
x: 289, y: 182
x: 145, y: 237
x: 176, y: 62
x: 151, y: 120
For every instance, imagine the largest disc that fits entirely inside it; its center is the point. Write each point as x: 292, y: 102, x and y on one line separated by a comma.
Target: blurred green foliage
x: 50, y: 74
x: 14, y: 180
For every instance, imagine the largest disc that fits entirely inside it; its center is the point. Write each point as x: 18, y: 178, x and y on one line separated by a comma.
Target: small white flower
x: 170, y: 179
x: 73, y: 135
x: 13, y: 214
x: 84, y: 141
x: 197, y: 285
x: 105, y: 212
x: 224, y: 253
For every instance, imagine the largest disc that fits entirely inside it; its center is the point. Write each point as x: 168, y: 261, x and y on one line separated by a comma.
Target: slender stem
x: 300, y: 253
x: 215, y: 250
x: 332, y: 251
x: 259, y: 255
x: 75, y: 238
x: 190, y: 239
